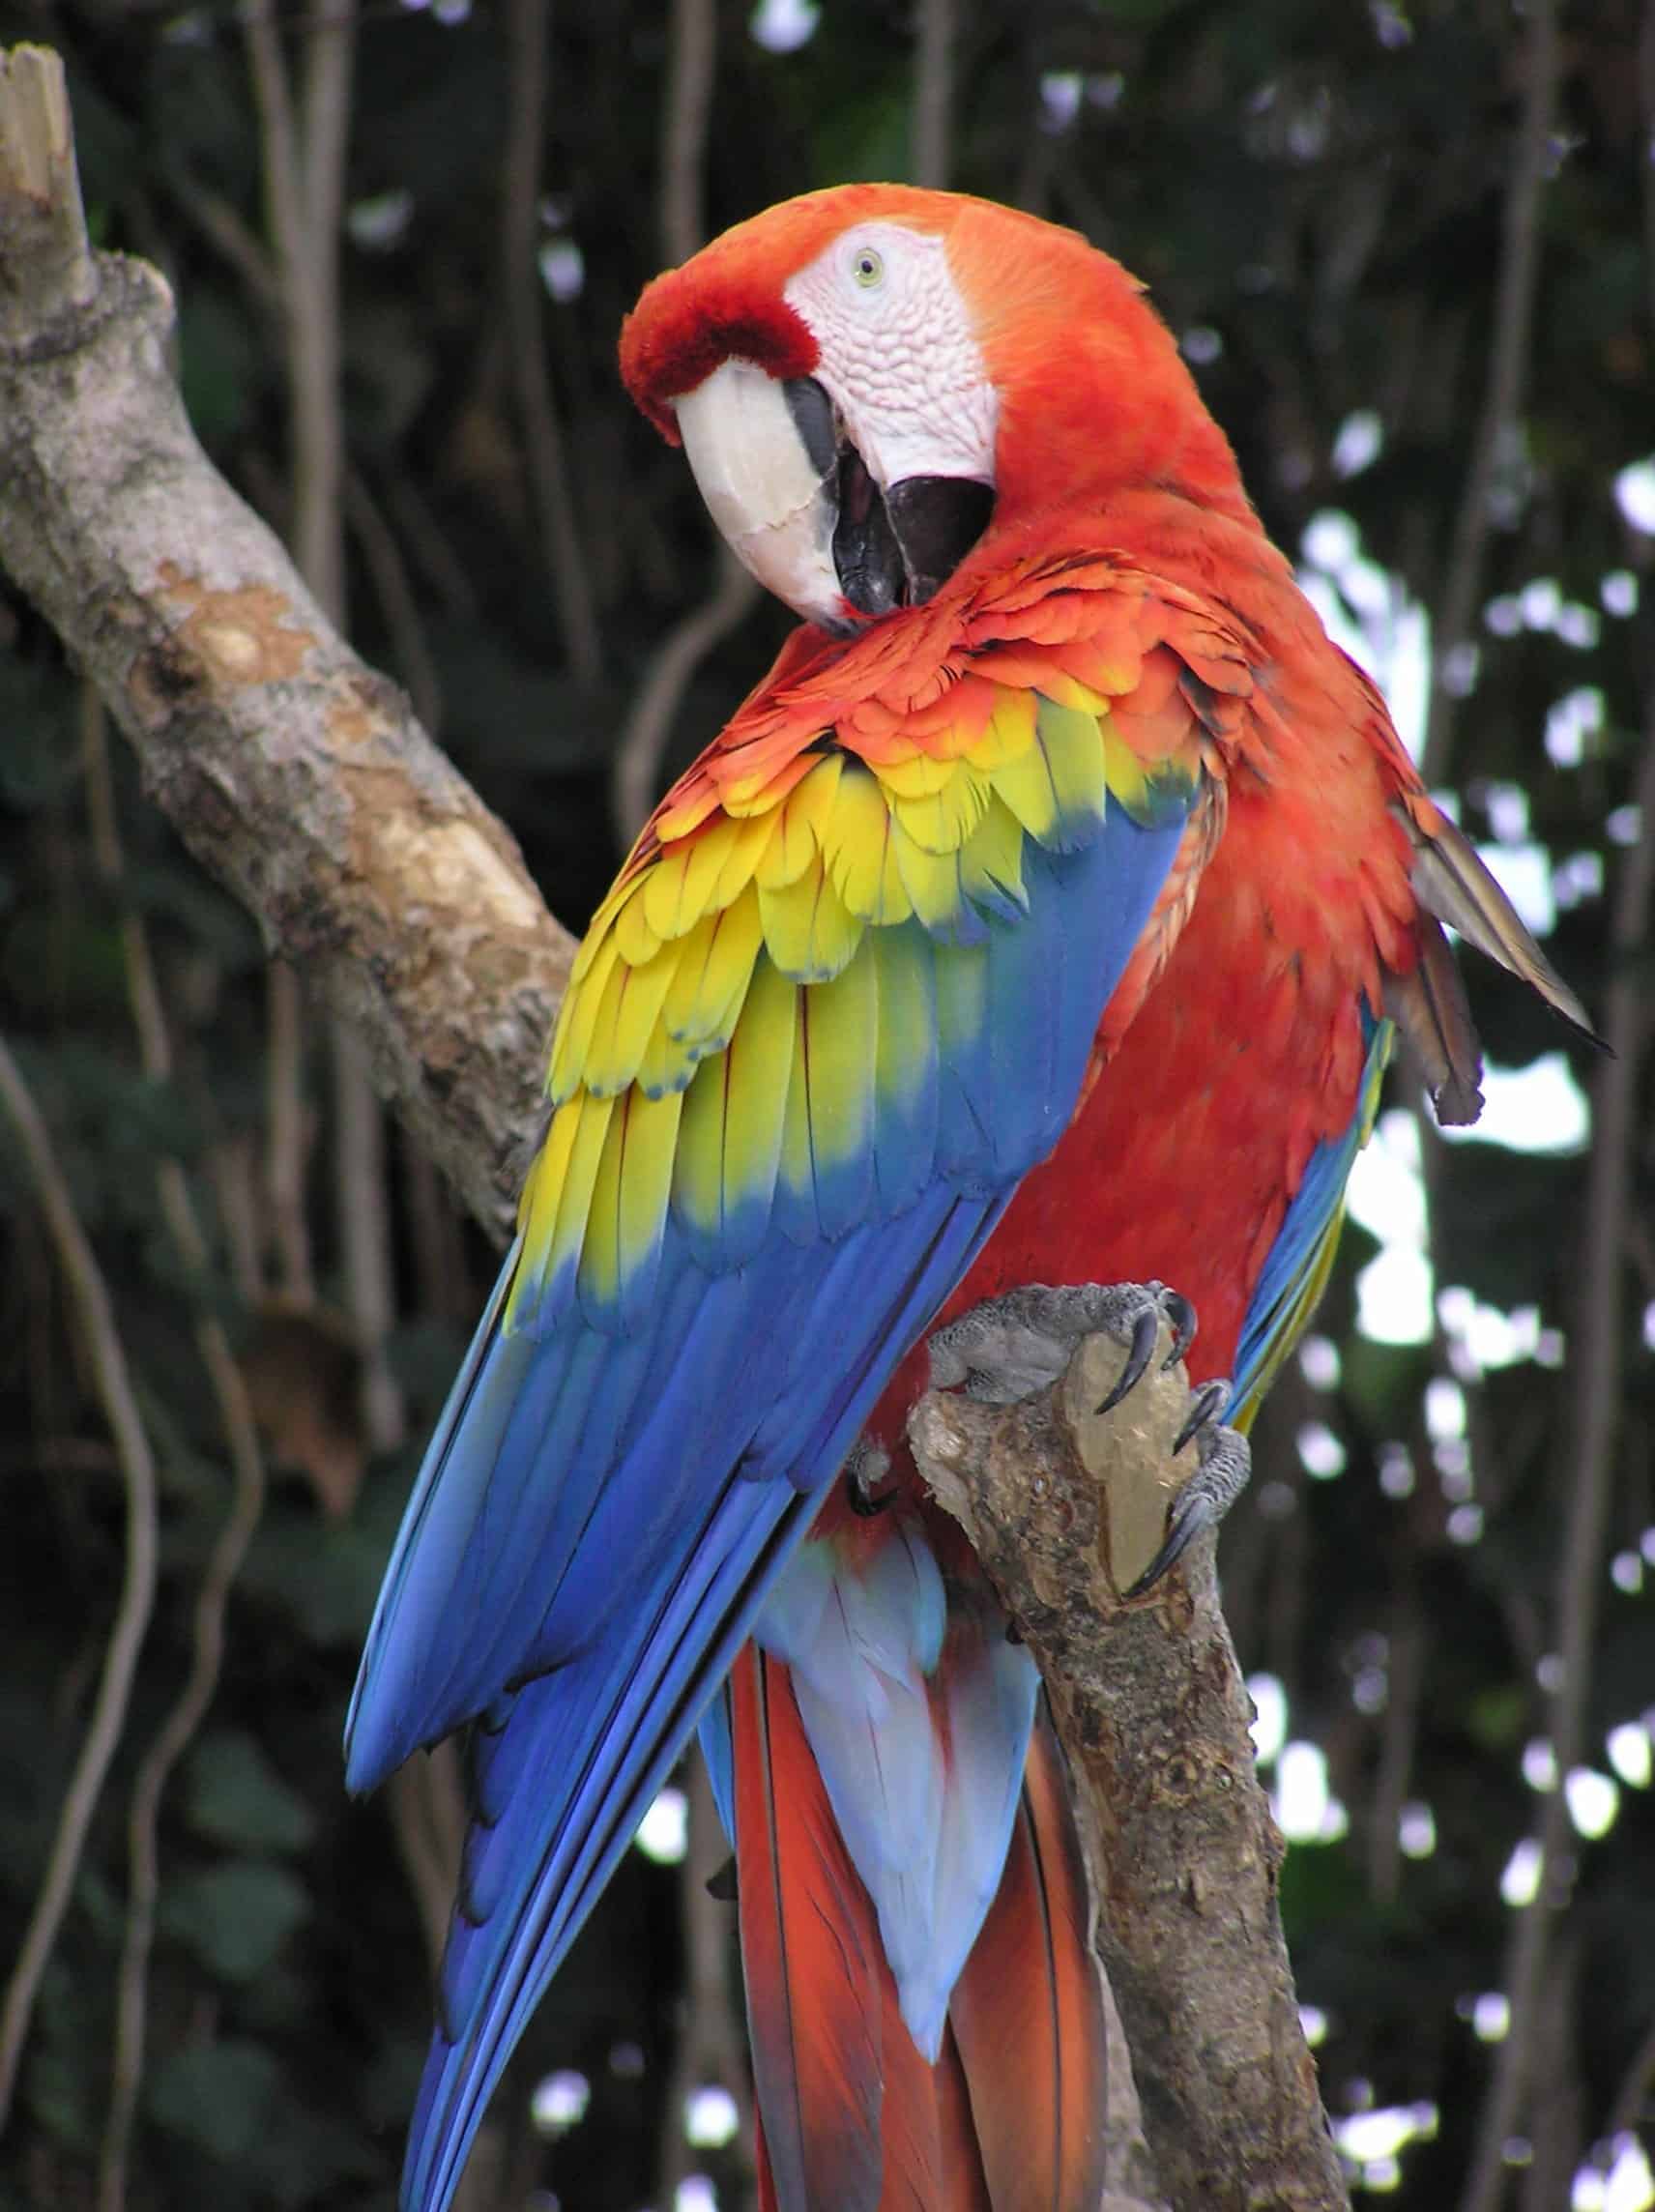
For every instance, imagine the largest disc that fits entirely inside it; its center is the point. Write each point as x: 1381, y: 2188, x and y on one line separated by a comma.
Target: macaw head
x: 871, y: 381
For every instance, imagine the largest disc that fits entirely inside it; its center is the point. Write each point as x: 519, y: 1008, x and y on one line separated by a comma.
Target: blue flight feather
x: 600, y: 1515
x: 1313, y: 1215
x: 718, y: 1749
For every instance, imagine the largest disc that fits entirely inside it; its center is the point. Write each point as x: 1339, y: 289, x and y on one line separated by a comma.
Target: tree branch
x: 1063, y: 1508
x: 47, y: 277
x: 931, y: 156
x: 670, y: 672
x: 296, y: 774
x: 1596, y: 1395
x: 693, y: 51
x: 710, y: 2045
x: 673, y: 664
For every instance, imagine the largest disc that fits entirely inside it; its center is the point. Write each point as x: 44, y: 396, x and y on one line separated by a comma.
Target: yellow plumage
x: 1060, y: 776
x: 629, y: 1018
x: 992, y: 863
x: 629, y: 1192
x: 855, y: 845
x: 730, y: 1141
x: 769, y: 967
x: 714, y: 964
x: 810, y: 930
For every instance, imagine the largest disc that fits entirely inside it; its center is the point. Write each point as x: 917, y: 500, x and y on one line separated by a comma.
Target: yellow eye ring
x: 867, y: 268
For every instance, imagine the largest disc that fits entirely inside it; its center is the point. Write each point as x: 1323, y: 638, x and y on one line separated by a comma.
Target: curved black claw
x: 1145, y: 1330
x: 1226, y: 1466
x: 1206, y: 1405
x: 1180, y: 1313
x: 871, y: 1503
x: 1146, y: 1307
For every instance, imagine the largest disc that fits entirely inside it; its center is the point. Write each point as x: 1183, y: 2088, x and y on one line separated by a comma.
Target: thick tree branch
x: 295, y: 772
x: 1062, y: 1507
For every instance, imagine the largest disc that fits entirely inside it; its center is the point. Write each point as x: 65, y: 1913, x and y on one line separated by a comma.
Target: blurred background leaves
x: 1322, y: 202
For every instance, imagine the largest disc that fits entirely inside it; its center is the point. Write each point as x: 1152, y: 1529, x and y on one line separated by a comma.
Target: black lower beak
x: 865, y: 549
x: 900, y: 548
x: 937, y: 521
x: 893, y: 549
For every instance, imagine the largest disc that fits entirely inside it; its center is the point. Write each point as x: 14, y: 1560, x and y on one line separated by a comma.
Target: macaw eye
x: 867, y: 268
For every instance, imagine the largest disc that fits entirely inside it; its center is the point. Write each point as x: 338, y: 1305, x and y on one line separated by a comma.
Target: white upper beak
x: 761, y: 489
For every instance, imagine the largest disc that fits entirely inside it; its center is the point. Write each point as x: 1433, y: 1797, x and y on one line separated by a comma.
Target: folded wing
x: 840, y: 1000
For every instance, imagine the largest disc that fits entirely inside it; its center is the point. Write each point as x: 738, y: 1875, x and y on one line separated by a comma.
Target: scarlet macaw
x: 1043, y: 916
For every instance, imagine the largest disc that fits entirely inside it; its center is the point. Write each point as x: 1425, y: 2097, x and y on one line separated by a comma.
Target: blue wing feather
x: 1290, y: 1280
x: 600, y: 1515
x: 718, y: 1749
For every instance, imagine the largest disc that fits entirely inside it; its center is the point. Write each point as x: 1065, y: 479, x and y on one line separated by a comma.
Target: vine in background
x: 1585, y: 1481
x: 1498, y: 425
x: 682, y: 223
x: 528, y: 28
x: 1595, y: 1378
x: 106, y: 1360
x: 241, y: 1519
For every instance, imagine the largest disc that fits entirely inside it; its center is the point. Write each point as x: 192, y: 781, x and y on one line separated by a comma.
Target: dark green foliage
x: 1317, y: 193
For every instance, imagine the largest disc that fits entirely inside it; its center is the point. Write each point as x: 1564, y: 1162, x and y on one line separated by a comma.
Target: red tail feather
x: 853, y: 2117
x: 1030, y: 1987
x: 811, y: 1958
x: 964, y: 2185
x: 930, y: 2161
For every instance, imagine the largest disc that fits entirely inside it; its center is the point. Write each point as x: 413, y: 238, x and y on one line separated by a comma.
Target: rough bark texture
x: 1180, y: 1846
x: 294, y: 771
x: 301, y: 778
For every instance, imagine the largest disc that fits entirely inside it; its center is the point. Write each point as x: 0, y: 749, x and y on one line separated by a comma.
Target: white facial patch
x: 898, y: 356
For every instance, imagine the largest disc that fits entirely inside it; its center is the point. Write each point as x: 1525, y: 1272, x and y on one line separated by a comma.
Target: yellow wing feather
x: 724, y: 1025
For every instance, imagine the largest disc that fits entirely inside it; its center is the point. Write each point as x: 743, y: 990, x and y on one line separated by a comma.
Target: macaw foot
x: 1011, y: 1347
x: 1224, y: 1467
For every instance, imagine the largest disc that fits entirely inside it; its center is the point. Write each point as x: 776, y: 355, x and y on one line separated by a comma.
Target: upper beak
x: 803, y: 510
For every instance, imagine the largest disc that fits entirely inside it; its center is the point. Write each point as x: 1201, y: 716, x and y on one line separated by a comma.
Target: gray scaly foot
x: 1011, y: 1347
